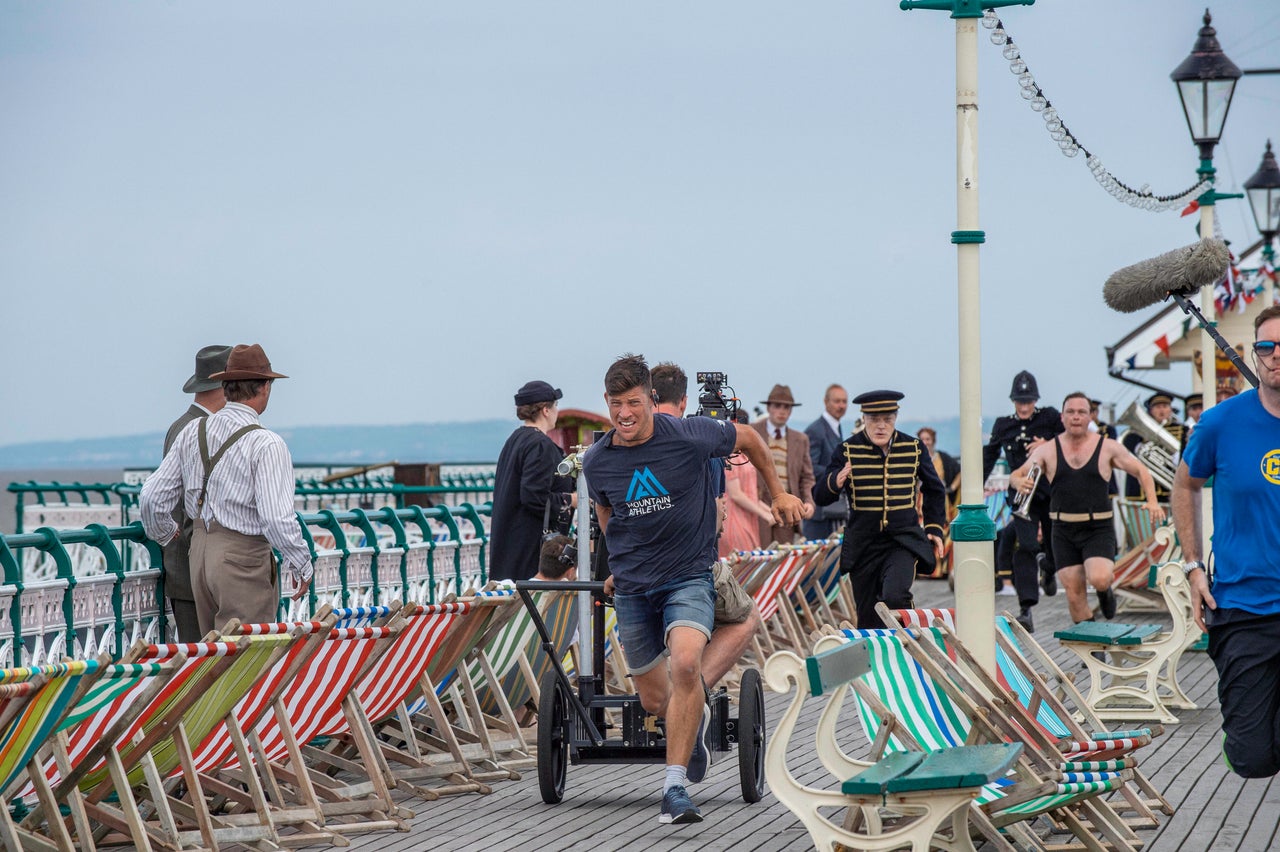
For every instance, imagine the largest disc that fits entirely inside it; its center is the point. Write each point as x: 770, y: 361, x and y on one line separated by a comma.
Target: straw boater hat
x: 781, y: 394
x: 209, y: 360
x: 247, y: 362
x: 878, y: 401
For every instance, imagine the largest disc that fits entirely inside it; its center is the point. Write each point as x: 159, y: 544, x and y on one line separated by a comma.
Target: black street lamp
x: 1206, y: 81
x: 1263, y: 190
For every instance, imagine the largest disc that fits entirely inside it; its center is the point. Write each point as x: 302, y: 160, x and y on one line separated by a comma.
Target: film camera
x: 712, y: 401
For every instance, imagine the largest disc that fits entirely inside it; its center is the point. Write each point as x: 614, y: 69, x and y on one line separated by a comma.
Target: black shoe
x: 1048, y: 576
x: 1024, y: 618
x: 1107, y: 604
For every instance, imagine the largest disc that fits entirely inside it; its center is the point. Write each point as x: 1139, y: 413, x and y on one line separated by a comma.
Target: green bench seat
x: 1107, y: 633
x: 945, y: 769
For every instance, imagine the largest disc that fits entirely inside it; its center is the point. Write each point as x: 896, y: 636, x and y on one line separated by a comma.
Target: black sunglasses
x: 1264, y: 348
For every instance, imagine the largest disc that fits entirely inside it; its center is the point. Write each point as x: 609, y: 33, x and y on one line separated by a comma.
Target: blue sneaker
x: 701, y: 757
x: 678, y: 808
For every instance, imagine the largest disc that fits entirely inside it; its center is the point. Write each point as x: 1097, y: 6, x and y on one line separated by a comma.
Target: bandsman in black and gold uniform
x: 1160, y: 407
x: 1016, y: 436
x: 879, y: 469
x: 1105, y: 429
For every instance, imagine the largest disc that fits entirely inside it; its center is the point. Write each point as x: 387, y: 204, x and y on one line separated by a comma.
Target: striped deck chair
x: 907, y: 703
x: 1047, y: 710
x: 380, y: 693
x: 1135, y: 581
x: 112, y: 700
x: 159, y: 740
x: 771, y: 597
x: 35, y: 701
x: 457, y: 704
x: 561, y: 617
x: 323, y: 686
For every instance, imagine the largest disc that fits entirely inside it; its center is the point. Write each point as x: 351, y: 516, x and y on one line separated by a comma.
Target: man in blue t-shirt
x: 649, y: 478
x: 1237, y: 442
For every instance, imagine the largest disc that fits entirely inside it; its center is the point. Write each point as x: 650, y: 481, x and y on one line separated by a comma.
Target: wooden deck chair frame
x: 1029, y: 687
x: 407, y: 767
x: 454, y: 736
x: 1001, y: 717
x: 37, y: 701
x: 1010, y: 814
x: 1060, y: 691
x: 317, y: 691
x: 188, y: 821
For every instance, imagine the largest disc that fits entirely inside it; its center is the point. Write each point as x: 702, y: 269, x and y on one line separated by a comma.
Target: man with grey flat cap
x: 209, y: 398
x: 524, y: 482
x: 878, y: 470
x: 236, y: 481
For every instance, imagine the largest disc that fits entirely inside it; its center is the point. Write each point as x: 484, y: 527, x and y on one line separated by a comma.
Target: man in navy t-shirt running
x: 649, y: 479
x: 1237, y: 442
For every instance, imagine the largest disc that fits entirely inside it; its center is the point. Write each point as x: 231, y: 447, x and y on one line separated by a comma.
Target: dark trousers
x: 1026, y: 573
x: 1006, y: 541
x: 186, y: 623
x: 885, y: 572
x: 1246, y: 652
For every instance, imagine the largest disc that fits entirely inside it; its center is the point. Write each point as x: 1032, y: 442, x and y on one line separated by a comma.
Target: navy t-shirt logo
x: 644, y: 484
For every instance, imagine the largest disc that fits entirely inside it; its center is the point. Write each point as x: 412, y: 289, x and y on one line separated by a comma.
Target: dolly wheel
x: 553, y: 738
x: 751, y: 736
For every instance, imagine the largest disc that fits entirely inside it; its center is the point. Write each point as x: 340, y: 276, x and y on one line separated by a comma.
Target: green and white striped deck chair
x: 560, y: 613
x: 35, y: 701
x: 930, y: 712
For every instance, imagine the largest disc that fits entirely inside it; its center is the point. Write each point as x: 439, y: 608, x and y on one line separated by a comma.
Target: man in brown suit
x: 790, y: 451
x: 177, y: 565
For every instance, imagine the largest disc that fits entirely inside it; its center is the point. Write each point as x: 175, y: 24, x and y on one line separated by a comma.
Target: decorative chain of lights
x: 1142, y: 198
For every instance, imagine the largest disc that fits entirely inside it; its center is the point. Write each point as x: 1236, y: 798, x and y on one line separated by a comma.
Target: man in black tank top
x: 1077, y: 465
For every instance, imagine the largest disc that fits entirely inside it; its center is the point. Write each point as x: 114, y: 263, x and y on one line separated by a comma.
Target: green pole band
x: 962, y: 237
x: 973, y: 524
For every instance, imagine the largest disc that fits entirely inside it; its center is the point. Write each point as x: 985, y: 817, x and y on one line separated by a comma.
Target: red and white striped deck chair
x: 421, y: 718
x: 381, y: 692
x: 325, y: 684
x: 780, y: 624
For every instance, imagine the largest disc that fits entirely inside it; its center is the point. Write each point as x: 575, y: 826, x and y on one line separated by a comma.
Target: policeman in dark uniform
x: 1016, y: 436
x: 884, y: 543
x: 1160, y: 406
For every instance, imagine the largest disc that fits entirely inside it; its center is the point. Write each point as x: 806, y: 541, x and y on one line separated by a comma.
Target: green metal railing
x: 107, y: 494
x: 115, y: 544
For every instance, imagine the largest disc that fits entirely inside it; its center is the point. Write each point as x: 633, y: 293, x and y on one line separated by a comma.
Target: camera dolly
x: 573, y: 727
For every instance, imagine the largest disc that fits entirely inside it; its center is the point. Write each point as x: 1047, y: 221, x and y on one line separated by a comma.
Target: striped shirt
x: 250, y: 491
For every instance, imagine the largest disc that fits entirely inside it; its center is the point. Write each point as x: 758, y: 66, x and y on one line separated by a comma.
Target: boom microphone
x: 1182, y: 271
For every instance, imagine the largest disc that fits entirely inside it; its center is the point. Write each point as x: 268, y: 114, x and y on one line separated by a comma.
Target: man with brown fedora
x: 236, y: 479
x: 790, y: 451
x: 177, y: 567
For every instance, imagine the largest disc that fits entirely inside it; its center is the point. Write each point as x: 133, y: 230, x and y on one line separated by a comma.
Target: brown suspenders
x: 208, y: 462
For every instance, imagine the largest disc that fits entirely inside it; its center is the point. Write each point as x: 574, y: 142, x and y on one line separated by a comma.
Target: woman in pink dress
x: 743, y: 509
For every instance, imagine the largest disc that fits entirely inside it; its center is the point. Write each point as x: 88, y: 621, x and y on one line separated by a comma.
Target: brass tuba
x: 1158, y: 451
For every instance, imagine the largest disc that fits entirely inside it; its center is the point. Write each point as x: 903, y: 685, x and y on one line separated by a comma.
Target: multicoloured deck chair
x: 118, y: 693
x: 1133, y: 574
x: 770, y: 594
x: 826, y: 590
x: 929, y: 710
x: 160, y: 741
x: 35, y: 701
x: 1045, y: 700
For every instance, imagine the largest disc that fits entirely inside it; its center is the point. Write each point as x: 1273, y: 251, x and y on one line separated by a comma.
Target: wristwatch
x: 1188, y: 567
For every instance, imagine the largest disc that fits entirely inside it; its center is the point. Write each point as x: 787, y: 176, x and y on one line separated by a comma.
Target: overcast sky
x: 417, y: 206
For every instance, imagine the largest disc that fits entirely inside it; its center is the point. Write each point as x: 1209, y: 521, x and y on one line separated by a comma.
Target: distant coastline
x: 104, y: 459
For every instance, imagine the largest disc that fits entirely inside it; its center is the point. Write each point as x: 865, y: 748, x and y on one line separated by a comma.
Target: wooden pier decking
x: 616, y: 807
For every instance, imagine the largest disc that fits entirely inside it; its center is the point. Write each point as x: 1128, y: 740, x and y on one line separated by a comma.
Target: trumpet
x: 1022, y: 499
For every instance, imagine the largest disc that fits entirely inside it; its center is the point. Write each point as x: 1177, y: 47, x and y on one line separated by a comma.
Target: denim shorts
x: 645, y: 619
